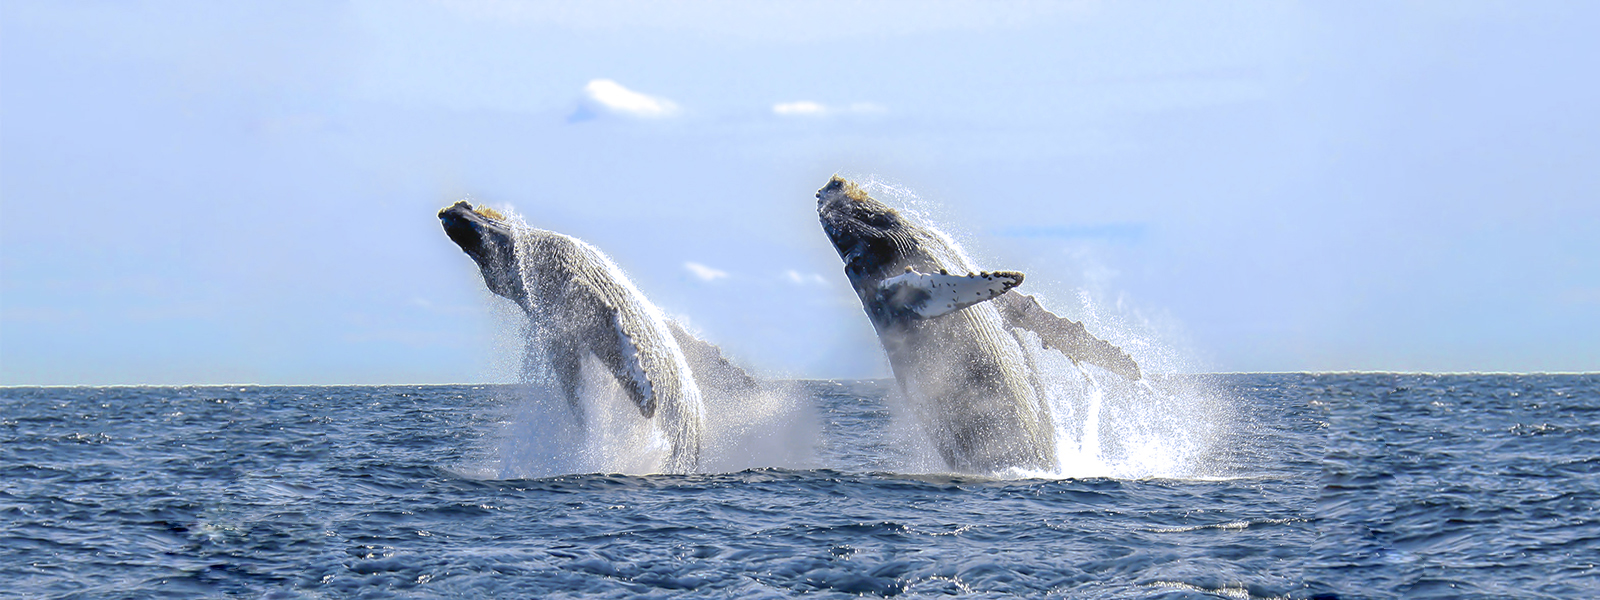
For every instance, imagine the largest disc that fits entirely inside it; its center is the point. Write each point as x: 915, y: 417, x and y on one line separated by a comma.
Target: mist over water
x: 535, y: 436
x: 734, y: 427
x: 1104, y: 426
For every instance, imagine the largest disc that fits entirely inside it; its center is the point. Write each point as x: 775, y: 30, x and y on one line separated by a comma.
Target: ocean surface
x: 1306, y: 485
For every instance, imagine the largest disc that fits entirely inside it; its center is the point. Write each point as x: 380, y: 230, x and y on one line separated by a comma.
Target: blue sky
x: 245, y: 192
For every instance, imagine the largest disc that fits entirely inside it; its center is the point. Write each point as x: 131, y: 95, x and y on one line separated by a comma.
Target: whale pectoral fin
x: 1067, y: 336
x: 710, y: 368
x: 619, y: 352
x: 929, y: 295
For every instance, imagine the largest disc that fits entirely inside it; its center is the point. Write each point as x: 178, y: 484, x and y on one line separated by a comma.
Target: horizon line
x: 223, y: 385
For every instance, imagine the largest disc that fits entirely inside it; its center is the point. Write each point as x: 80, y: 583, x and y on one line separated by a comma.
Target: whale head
x: 874, y: 240
x: 487, y: 237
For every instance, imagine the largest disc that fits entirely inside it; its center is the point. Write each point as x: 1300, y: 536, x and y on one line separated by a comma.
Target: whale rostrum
x: 953, y: 341
x: 580, y: 304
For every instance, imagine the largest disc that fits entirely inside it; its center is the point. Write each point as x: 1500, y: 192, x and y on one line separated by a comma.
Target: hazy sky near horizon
x: 227, y: 192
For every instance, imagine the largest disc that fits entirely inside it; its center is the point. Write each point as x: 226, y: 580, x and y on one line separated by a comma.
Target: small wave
x: 1229, y: 526
x: 1228, y: 591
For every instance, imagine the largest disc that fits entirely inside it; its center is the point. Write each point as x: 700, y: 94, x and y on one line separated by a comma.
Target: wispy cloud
x: 803, y: 107
x: 798, y: 278
x: 612, y: 96
x: 807, y: 108
x: 704, y: 273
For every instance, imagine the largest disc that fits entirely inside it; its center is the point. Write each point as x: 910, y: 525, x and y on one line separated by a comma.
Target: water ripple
x: 1333, y: 485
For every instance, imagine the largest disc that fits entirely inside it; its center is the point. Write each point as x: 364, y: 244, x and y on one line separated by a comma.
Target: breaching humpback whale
x: 581, y: 304
x: 951, y: 335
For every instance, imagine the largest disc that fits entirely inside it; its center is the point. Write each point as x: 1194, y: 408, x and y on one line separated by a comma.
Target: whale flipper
x: 618, y: 349
x: 1066, y: 335
x: 928, y: 295
x: 589, y: 321
x: 710, y: 368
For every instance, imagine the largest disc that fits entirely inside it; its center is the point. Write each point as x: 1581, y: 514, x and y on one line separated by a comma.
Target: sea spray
x: 1161, y: 426
x: 1088, y: 446
x: 601, y: 429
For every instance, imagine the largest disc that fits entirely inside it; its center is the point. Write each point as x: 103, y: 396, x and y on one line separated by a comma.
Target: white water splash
x: 1105, y: 425
x: 542, y: 435
x: 1078, y: 448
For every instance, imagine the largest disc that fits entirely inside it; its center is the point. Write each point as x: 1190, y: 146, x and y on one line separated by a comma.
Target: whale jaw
x: 486, y: 237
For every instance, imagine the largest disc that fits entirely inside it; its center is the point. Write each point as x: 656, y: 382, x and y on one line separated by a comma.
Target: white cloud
x: 795, y: 277
x: 803, y: 107
x: 611, y: 96
x: 704, y: 273
x: 807, y: 108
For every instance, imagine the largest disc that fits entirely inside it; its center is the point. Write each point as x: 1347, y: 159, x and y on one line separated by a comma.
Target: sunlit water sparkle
x: 1355, y: 485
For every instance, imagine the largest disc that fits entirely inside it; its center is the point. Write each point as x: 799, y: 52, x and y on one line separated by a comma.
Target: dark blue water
x: 1355, y: 486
